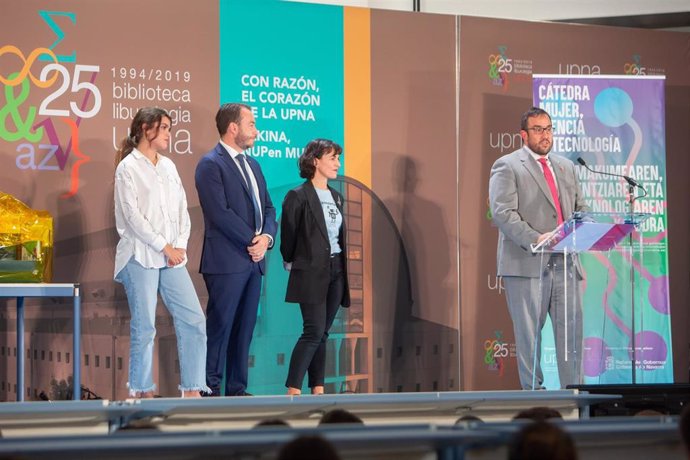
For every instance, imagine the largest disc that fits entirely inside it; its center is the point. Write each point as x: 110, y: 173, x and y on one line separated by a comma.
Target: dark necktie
x: 257, y: 212
x: 552, y: 186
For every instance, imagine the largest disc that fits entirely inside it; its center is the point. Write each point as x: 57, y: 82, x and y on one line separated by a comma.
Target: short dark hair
x: 315, y: 149
x: 340, y: 416
x: 538, y: 414
x: 542, y: 441
x: 468, y: 418
x: 271, y: 422
x: 533, y: 112
x: 308, y: 447
x: 229, y: 113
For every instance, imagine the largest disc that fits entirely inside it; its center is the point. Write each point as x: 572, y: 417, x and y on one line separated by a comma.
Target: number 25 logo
x: 76, y: 86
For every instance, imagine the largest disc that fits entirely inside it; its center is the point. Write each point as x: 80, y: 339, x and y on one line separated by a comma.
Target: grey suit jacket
x: 522, y: 208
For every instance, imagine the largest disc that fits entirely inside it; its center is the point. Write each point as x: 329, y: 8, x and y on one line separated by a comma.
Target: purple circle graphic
x: 658, y: 294
x: 652, y: 350
x: 596, y: 353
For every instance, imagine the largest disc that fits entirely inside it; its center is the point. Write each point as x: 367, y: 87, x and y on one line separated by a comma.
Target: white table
x: 21, y: 290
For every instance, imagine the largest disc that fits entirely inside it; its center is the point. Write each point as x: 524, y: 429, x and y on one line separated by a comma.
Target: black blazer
x: 304, y: 243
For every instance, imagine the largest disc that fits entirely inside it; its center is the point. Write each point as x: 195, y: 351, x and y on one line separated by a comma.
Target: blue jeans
x: 177, y: 291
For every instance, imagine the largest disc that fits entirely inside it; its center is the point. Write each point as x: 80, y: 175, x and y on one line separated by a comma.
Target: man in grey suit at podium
x: 531, y: 193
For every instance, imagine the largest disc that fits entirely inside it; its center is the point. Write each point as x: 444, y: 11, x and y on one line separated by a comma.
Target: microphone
x: 628, y: 179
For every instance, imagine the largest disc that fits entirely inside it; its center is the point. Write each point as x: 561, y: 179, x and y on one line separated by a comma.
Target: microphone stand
x: 630, y: 220
x: 631, y: 203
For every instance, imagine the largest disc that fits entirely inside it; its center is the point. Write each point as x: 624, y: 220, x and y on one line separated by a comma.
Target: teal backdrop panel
x: 285, y: 60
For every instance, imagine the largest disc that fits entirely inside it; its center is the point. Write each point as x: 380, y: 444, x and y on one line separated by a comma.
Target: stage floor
x: 170, y: 414
x: 399, y: 426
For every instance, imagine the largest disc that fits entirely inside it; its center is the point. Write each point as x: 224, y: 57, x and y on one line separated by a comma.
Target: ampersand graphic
x: 17, y: 78
x: 493, y: 66
x: 493, y: 71
x: 11, y: 109
x: 489, y: 348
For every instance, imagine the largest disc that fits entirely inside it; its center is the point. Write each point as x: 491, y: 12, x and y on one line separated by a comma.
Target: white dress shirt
x: 150, y: 211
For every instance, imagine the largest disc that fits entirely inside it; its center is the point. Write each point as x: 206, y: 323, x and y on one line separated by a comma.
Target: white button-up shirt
x: 150, y: 210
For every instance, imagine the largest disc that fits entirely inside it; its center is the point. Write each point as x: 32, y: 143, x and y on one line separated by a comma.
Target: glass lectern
x: 598, y: 232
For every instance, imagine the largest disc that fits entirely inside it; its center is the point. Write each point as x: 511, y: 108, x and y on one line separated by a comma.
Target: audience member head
x: 468, y: 418
x: 340, y: 416
x: 308, y: 448
x: 272, y: 422
x: 684, y: 426
x: 542, y: 441
x: 138, y: 425
x: 538, y: 414
x: 648, y: 413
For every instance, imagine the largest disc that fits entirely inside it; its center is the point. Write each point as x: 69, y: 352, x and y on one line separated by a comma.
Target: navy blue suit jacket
x: 229, y: 213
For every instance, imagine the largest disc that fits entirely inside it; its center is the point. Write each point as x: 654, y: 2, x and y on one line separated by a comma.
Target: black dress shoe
x: 244, y: 393
x: 212, y: 394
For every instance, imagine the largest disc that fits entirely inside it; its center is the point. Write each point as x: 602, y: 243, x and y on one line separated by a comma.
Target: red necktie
x: 552, y: 186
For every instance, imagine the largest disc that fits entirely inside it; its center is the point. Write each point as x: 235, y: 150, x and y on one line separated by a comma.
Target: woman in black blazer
x: 313, y: 248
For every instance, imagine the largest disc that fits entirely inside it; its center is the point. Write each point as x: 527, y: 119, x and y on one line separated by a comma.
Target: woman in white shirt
x: 153, y: 223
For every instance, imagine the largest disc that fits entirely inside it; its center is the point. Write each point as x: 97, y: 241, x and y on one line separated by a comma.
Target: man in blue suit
x: 240, y: 226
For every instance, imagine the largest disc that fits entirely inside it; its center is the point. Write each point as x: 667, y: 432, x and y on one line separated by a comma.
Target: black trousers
x: 309, y: 354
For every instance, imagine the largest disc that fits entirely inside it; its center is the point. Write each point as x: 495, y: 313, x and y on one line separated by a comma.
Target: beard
x: 244, y: 141
x: 540, y: 148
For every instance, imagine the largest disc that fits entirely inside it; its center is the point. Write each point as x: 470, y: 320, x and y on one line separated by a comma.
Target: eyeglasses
x: 541, y: 129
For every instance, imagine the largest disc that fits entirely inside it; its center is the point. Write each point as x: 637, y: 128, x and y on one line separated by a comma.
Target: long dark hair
x: 149, y: 116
